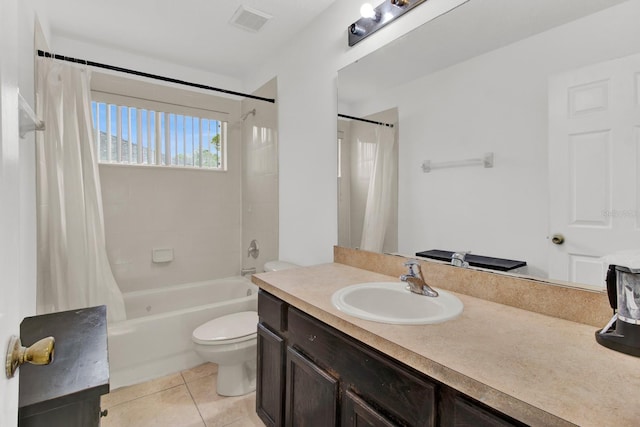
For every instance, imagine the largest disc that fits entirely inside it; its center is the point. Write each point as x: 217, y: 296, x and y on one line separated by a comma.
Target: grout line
x: 116, y: 391
x: 145, y: 395
x: 194, y: 402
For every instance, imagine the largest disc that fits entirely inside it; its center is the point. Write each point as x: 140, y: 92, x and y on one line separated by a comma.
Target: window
x: 128, y: 134
x: 366, y: 158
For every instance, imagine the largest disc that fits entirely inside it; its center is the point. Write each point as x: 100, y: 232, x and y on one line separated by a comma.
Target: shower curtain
x: 73, y: 269
x: 379, y: 196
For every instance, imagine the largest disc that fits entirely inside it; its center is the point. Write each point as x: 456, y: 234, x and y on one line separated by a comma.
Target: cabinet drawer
x: 404, y: 395
x: 459, y: 410
x: 358, y: 413
x: 466, y: 414
x: 272, y: 311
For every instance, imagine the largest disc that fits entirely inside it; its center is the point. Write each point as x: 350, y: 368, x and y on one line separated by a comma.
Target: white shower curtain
x: 73, y: 269
x: 379, y: 196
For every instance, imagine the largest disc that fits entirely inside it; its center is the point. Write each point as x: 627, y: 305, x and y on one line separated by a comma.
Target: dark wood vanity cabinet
x: 310, y: 374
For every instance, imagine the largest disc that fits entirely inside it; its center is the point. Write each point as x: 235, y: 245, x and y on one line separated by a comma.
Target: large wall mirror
x: 537, y: 84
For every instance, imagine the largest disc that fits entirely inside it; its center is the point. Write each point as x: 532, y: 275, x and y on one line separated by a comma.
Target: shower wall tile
x: 268, y: 244
x: 141, y: 275
x: 261, y: 188
x: 260, y: 180
x: 261, y: 216
x: 197, y: 213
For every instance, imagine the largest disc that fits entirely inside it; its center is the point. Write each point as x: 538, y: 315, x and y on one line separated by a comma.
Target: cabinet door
x: 312, y: 394
x: 358, y: 413
x: 458, y: 410
x: 270, y: 377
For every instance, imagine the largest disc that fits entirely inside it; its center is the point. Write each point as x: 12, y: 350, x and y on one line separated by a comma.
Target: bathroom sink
x: 390, y: 302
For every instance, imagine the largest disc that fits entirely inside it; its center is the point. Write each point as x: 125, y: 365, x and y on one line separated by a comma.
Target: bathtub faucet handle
x: 253, y: 249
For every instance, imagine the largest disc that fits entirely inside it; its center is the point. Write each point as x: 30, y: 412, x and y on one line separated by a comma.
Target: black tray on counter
x: 500, y: 264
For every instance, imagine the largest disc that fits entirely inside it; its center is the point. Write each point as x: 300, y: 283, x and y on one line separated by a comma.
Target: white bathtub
x: 155, y: 340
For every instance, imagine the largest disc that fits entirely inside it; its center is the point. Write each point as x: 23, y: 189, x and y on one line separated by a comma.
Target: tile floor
x: 185, y: 399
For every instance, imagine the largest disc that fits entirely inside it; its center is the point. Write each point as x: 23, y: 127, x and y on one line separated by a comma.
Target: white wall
x: 307, y: 110
x: 495, y: 102
x: 17, y: 190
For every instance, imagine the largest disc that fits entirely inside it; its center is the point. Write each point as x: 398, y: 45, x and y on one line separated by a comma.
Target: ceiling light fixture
x: 374, y: 18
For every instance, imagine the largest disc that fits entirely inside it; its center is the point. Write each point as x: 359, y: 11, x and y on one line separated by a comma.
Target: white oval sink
x: 390, y: 302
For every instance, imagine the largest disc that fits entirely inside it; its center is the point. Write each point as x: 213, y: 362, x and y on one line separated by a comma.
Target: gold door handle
x: 557, y: 239
x: 40, y: 353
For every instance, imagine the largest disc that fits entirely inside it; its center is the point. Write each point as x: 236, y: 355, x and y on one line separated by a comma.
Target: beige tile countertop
x: 539, y: 369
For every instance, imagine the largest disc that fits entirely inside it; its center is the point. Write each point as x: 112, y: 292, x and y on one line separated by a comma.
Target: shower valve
x: 253, y: 249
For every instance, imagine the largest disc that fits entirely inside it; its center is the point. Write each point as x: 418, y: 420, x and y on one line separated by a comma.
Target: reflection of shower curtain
x: 73, y: 269
x: 380, y: 193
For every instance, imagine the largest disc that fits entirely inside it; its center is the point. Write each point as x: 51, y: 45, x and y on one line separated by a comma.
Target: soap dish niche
x: 162, y: 255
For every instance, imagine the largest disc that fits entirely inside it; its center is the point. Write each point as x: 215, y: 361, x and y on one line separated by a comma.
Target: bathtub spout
x: 245, y: 271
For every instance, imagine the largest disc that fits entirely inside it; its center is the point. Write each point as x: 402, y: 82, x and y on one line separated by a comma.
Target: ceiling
x: 471, y: 29
x: 193, y: 33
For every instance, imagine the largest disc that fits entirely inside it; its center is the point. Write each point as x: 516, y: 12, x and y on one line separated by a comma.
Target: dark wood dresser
x: 67, y: 391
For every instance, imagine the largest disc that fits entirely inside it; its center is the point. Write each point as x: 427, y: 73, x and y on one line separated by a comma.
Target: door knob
x: 557, y: 239
x: 40, y: 353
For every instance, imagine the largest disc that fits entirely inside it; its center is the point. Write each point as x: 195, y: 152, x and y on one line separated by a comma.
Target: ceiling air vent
x: 249, y: 19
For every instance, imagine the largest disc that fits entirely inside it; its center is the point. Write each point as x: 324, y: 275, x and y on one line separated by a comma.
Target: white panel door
x: 594, y: 146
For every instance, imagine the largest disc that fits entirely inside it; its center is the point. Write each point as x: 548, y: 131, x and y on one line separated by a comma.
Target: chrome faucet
x: 415, y: 281
x: 457, y: 259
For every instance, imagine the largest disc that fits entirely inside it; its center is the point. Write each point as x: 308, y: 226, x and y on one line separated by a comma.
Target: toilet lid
x: 278, y: 265
x: 229, y: 327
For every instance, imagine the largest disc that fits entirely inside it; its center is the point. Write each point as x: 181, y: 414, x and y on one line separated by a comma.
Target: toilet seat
x: 232, y: 328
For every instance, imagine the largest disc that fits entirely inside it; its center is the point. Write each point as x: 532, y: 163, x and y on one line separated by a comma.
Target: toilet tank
x: 278, y: 265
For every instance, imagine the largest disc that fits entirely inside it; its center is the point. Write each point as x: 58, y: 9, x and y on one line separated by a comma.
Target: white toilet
x: 231, y: 342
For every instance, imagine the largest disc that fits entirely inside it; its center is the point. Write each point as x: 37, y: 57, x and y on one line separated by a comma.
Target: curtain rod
x: 151, y: 76
x: 344, y: 116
